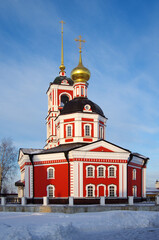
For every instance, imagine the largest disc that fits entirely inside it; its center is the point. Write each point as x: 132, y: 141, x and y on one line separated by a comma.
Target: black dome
x: 59, y: 79
x: 78, y: 104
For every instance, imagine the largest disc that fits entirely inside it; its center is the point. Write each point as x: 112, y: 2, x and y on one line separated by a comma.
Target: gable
x: 102, y: 146
x: 101, y: 149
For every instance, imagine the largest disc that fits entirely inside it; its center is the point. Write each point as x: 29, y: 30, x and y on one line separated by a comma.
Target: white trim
x: 101, y: 185
x: 87, y: 171
x: 120, y: 180
x: 48, y: 170
x: 115, y: 168
x: 104, y: 171
x: 134, y: 191
x: 90, y: 185
x: 67, y: 126
x: 90, y: 130
x: 47, y: 189
x: 134, y: 174
x: 64, y: 93
x: 115, y: 189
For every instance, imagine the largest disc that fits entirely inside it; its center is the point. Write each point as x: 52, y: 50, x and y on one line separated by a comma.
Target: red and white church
x: 77, y: 161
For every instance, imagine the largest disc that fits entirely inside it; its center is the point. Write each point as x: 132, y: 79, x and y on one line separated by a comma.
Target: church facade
x: 77, y: 160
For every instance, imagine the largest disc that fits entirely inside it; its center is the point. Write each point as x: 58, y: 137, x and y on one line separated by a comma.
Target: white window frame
x: 89, y: 125
x: 53, y: 188
x: 134, y: 174
x: 134, y: 191
x: 90, y: 185
x: 67, y: 135
x: 104, y: 170
x: 101, y: 185
x: 93, y: 167
x: 112, y: 166
x: 48, y: 172
x: 115, y: 189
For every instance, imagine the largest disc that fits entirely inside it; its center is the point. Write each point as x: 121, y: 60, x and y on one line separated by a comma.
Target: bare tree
x: 8, y: 161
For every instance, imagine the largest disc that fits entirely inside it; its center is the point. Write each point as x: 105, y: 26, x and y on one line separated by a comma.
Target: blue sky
x: 121, y: 52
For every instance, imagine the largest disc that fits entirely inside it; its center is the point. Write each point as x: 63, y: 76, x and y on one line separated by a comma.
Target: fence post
x: 71, y: 201
x: 157, y: 200
x: 130, y: 200
x: 102, y: 201
x: 3, y: 201
x: 45, y: 201
x: 23, y: 201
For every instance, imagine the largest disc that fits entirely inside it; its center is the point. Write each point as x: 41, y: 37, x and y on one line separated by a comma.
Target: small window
x: 90, y: 190
x: 87, y: 130
x: 69, y: 131
x: 112, y: 171
x: 50, y: 173
x: 101, y: 171
x: 134, y: 174
x: 134, y: 190
x: 111, y: 191
x: 101, y: 132
x: 50, y: 191
x: 90, y: 171
x: 64, y: 100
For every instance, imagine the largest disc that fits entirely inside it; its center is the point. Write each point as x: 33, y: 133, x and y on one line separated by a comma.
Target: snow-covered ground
x: 82, y: 226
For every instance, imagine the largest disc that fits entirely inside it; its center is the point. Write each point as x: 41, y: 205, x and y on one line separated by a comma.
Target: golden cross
x: 62, y: 22
x: 80, y: 42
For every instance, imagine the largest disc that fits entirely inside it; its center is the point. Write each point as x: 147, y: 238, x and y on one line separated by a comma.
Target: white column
x: 157, y: 200
x: 120, y: 180
x: 23, y: 201
x: 45, y: 201
x: 3, y: 201
x: 125, y: 180
x: 70, y: 201
x: 130, y: 200
x: 102, y: 201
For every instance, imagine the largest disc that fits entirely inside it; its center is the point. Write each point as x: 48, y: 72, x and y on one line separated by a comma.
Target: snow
x: 100, y: 225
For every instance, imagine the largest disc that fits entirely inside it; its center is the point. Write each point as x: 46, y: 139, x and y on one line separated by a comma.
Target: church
x: 77, y: 160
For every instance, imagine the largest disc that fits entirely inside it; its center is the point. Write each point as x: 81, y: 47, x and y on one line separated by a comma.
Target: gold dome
x: 80, y: 73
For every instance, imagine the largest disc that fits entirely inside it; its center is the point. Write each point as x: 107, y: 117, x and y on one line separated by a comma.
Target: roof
x: 78, y: 104
x: 30, y: 150
x: 62, y: 148
x: 58, y: 80
x: 140, y: 156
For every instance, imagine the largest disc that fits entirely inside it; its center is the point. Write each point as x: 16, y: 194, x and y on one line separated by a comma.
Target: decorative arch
x: 64, y: 94
x: 101, y: 171
x: 112, y: 171
x: 90, y: 190
x: 50, y: 191
x: 50, y: 173
x: 90, y: 171
x: 112, y: 188
x: 103, y: 191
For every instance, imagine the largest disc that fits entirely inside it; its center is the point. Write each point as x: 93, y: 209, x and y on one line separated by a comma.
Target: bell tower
x: 60, y: 91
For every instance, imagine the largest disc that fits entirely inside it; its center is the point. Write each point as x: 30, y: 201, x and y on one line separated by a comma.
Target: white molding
x: 101, y: 185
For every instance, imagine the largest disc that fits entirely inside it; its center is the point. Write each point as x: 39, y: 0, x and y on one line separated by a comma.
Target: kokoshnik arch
x: 77, y: 161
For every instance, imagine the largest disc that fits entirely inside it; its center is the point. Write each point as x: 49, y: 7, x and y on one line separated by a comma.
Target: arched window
x: 50, y: 173
x: 112, y: 190
x: 90, y: 171
x: 90, y: 190
x: 134, y: 174
x: 64, y: 100
x: 69, y: 131
x: 112, y: 171
x: 50, y: 191
x: 87, y: 130
x: 101, y: 171
x: 134, y: 190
